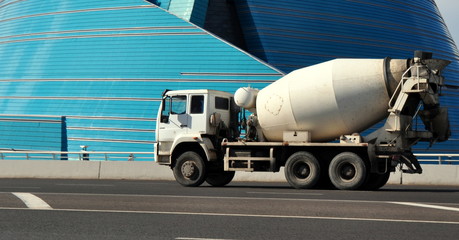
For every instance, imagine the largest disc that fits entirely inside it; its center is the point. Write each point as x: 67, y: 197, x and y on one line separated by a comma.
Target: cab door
x: 174, y: 119
x: 198, y: 118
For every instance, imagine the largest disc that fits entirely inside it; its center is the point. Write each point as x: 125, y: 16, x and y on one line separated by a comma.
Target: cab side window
x: 221, y: 103
x: 178, y: 105
x: 197, y: 104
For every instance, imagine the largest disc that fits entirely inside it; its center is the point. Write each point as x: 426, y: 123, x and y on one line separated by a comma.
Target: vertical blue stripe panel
x: 191, y: 10
x: 33, y: 133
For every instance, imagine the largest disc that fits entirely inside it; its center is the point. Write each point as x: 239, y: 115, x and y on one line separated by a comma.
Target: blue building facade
x: 91, y: 73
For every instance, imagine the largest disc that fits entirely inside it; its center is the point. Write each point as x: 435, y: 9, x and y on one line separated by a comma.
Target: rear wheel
x: 347, y: 171
x: 220, y: 179
x: 190, y: 169
x: 302, y: 170
x: 376, y: 181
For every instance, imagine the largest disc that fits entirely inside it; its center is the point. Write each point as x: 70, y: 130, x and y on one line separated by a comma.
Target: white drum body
x: 337, y: 97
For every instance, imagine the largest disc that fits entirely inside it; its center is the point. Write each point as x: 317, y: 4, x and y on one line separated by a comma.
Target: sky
x: 449, y: 10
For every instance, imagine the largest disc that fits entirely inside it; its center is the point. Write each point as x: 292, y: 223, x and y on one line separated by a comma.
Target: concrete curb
x: 135, y: 171
x: 433, y: 174
x: 49, y: 169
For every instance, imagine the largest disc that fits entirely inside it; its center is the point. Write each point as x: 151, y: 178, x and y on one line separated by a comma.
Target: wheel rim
x: 301, y: 170
x: 347, y: 171
x: 189, y: 169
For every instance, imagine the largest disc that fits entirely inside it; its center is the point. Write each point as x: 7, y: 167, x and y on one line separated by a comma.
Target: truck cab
x: 192, y: 120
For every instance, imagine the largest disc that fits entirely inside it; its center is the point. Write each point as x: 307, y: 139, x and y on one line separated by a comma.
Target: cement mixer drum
x: 341, y: 96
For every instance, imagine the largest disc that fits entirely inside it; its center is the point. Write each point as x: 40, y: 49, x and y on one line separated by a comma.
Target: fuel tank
x: 341, y: 96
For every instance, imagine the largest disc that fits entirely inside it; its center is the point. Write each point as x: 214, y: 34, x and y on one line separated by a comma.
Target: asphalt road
x: 91, y: 209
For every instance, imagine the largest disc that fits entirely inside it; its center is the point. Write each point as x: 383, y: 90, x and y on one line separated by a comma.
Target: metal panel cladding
x: 92, y: 72
x: 290, y: 34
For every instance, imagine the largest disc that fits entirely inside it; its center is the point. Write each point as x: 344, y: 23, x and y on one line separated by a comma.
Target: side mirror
x: 165, y: 111
x: 164, y: 118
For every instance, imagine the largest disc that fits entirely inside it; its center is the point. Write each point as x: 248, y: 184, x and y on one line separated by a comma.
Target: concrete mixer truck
x: 309, y: 122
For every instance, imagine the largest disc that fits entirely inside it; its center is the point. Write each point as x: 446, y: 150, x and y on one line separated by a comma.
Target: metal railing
x: 77, y: 156
x: 438, y: 158
x: 424, y: 158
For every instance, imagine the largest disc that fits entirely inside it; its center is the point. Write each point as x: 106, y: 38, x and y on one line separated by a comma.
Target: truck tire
x: 302, y: 170
x: 190, y: 169
x: 376, y: 181
x: 347, y: 171
x: 220, y: 179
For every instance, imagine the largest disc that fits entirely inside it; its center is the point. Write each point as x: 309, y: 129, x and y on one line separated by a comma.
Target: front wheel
x: 302, y: 170
x: 347, y: 171
x: 190, y: 169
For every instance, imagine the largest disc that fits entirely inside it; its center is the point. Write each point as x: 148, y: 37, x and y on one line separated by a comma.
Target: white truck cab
x: 191, y: 118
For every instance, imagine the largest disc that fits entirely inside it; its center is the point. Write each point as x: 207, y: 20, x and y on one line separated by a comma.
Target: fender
x: 166, y: 149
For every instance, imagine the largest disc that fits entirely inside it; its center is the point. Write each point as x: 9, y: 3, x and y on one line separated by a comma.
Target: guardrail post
x: 439, y: 160
x: 131, y: 157
x: 85, y: 154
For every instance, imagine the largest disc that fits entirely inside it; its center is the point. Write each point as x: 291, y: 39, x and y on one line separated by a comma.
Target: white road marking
x: 426, y: 206
x: 84, y: 185
x: 281, y: 193
x: 187, y: 238
x: 247, y: 215
x: 32, y: 201
x: 219, y: 197
x: 236, y: 198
